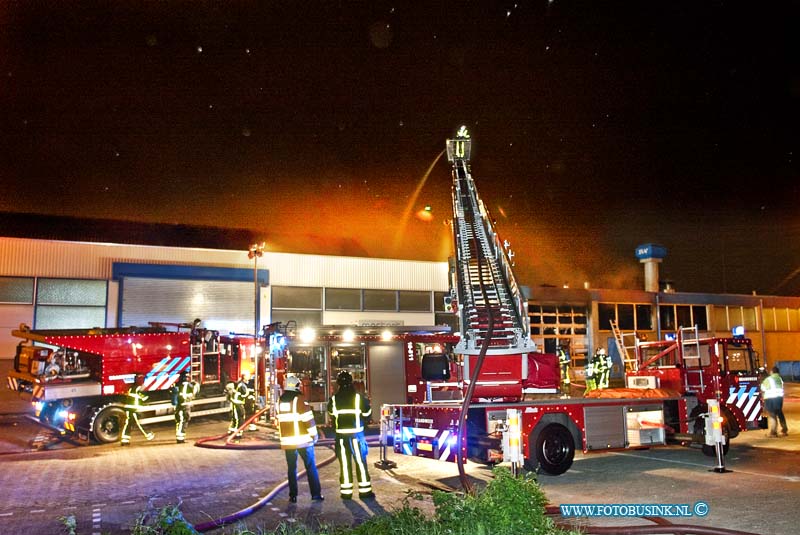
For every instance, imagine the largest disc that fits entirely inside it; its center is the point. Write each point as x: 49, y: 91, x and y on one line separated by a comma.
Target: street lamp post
x: 256, y: 250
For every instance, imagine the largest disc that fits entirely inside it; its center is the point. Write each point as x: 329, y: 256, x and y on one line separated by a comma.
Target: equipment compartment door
x: 605, y: 427
x: 645, y: 425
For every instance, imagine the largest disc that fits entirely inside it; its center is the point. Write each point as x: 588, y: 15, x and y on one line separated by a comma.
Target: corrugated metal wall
x: 46, y: 258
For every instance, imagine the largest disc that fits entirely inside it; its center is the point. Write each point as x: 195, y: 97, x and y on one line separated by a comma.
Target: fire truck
x: 78, y: 378
x: 701, y: 368
x: 494, y: 377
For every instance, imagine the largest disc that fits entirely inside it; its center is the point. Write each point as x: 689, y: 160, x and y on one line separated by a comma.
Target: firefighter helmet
x: 344, y: 378
x: 293, y: 383
x: 601, y: 351
x: 230, y: 387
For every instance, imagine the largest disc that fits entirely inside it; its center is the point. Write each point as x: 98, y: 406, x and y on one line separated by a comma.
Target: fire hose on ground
x: 660, y: 526
x: 208, y: 442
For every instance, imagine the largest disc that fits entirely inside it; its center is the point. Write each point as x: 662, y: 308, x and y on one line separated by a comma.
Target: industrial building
x: 57, y: 283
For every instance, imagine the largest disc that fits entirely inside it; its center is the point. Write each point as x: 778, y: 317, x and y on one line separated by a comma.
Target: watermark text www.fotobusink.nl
x: 572, y: 510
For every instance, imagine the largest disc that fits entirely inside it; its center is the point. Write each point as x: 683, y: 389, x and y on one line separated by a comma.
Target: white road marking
x: 793, y: 479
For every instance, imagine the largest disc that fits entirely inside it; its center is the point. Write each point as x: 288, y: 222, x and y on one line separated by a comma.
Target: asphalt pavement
x: 106, y: 486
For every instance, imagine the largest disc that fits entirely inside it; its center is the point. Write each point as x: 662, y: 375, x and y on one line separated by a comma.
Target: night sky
x: 597, y: 126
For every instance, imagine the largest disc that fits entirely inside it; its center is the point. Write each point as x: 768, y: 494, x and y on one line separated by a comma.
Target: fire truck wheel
x: 555, y: 449
x: 108, y: 425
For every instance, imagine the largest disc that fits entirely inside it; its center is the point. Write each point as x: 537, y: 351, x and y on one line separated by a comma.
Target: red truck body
x: 78, y: 378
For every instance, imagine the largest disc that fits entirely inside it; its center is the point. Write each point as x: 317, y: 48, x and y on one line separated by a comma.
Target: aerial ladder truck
x: 509, y: 406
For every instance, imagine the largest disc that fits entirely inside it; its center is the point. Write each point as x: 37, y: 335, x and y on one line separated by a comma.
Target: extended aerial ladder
x: 483, y: 286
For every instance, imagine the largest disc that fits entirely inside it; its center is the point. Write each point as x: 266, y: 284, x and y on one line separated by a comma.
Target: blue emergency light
x: 276, y: 342
x: 738, y: 331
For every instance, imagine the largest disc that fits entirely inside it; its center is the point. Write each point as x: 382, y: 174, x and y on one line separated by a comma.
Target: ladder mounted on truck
x: 626, y: 345
x: 483, y: 278
x: 689, y: 340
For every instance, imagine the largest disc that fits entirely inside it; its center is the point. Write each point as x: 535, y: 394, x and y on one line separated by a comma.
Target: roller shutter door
x: 226, y: 306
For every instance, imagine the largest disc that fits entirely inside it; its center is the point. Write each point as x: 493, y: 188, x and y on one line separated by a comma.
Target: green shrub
x: 506, y: 506
x: 70, y: 525
x: 167, y: 521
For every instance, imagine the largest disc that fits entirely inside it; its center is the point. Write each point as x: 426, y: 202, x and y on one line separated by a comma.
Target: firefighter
x: 348, y: 409
x: 772, y: 392
x: 589, y: 372
x: 183, y: 393
x: 298, y: 432
x: 563, y: 361
x: 237, y: 408
x: 248, y: 393
x: 599, y: 366
x: 136, y: 398
x: 602, y: 368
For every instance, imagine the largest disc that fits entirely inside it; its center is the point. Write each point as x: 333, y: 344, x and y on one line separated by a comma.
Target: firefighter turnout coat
x: 296, y: 421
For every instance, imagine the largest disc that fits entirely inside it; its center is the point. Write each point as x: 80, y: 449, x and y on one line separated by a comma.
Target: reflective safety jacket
x: 245, y: 390
x: 589, y: 370
x: 600, y: 364
x: 295, y: 421
x: 772, y: 386
x: 185, y: 392
x: 235, y: 397
x: 136, y: 398
x: 349, y: 409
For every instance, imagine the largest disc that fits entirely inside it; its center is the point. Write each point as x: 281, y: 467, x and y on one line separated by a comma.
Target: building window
x: 296, y: 297
x: 71, y: 292
x: 564, y: 324
x: 70, y: 303
x: 700, y: 317
x: 16, y: 290
x: 606, y: 313
x: 625, y: 319
x: 683, y: 316
x: 342, y: 299
x: 667, y: 317
x: 629, y: 317
x: 414, y: 301
x: 301, y: 318
x: 644, y: 318
x: 385, y: 300
x: 674, y: 317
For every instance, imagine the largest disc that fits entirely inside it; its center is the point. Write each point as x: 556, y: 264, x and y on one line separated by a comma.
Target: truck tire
x: 554, y: 449
x: 107, y: 425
